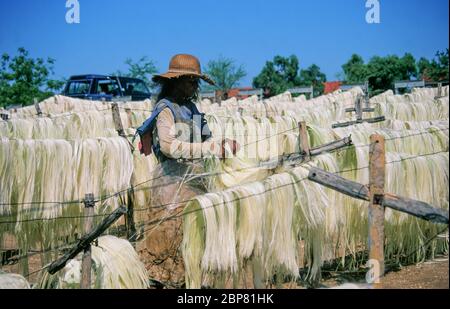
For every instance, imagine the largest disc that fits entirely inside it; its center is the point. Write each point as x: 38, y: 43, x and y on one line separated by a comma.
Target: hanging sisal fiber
x: 40, y: 174
x: 115, y: 266
x: 59, y: 104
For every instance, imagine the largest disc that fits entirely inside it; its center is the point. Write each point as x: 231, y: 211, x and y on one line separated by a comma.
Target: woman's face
x: 186, y: 86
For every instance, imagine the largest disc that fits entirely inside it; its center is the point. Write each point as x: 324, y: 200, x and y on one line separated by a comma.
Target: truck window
x: 78, y: 87
x: 107, y: 86
x: 134, y: 87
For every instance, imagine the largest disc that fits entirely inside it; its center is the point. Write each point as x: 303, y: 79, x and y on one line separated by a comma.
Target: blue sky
x: 324, y: 32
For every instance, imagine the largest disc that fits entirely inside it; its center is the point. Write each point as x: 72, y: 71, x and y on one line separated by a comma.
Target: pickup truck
x: 106, y: 87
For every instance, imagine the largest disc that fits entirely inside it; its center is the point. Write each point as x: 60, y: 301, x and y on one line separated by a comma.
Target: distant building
x: 331, y: 86
x: 235, y: 93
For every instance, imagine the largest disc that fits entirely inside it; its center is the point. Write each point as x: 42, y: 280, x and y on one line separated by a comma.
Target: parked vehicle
x: 106, y: 87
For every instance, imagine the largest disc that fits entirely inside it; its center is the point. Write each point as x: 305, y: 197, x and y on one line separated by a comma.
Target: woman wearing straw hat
x: 178, y: 135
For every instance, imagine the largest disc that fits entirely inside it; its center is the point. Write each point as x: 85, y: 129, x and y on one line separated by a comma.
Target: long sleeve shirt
x: 175, y: 148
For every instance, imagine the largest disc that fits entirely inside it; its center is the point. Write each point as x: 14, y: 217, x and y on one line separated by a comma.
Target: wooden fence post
x: 303, y: 140
x: 366, y: 95
x: 38, y: 108
x: 129, y: 219
x: 117, y: 120
x: 87, y: 259
x: 86, y: 240
x: 358, y: 109
x: 377, y: 160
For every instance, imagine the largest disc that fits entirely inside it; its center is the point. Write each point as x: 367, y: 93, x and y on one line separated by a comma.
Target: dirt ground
x: 431, y: 274
x: 428, y: 275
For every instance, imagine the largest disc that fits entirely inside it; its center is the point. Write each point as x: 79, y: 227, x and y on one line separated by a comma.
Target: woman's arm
x: 176, y: 149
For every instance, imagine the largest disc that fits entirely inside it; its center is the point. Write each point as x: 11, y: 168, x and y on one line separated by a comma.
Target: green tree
x: 225, y: 73
x: 355, y: 71
x: 142, y: 69
x: 312, y: 76
x: 435, y: 70
x: 278, y: 75
x: 283, y: 73
x: 381, y: 72
x: 384, y: 71
x: 22, y: 79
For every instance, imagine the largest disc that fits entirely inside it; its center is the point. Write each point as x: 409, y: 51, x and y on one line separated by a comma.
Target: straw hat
x: 183, y: 65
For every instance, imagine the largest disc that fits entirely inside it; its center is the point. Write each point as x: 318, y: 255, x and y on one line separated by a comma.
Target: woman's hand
x: 232, y: 144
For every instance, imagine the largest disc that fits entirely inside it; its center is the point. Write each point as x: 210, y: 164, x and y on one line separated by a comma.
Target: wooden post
x: 377, y: 160
x: 350, y: 123
x: 116, y: 118
x: 129, y: 220
x: 85, y: 241
x: 358, y: 109
x: 346, y: 141
x: 366, y: 95
x: 38, y: 108
x: 86, y: 263
x: 411, y: 207
x: 439, y: 90
x: 303, y: 140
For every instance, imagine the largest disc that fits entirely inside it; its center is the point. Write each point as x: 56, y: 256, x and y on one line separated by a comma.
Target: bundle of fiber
x: 59, y: 104
x: 13, y: 281
x: 418, y: 175
x: 71, y: 125
x: 431, y: 92
x: 424, y: 178
x: 408, y: 145
x: 146, y: 105
x: 204, y: 105
x: 231, y: 110
x: 283, y: 97
x: 408, y: 111
x: 300, y: 98
x: 273, y: 216
x: 416, y: 95
x: 273, y: 107
x: 381, y: 98
x: 428, y: 140
x: 323, y: 117
x: 340, y: 230
x: 347, y: 98
x: 317, y: 110
x: 421, y: 178
x: 230, y: 101
x: 415, y: 125
x: 319, y: 136
x: 142, y: 183
x: 250, y: 100
x: 116, y: 265
x: 417, y: 178
x: 47, y: 175
x: 261, y: 140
